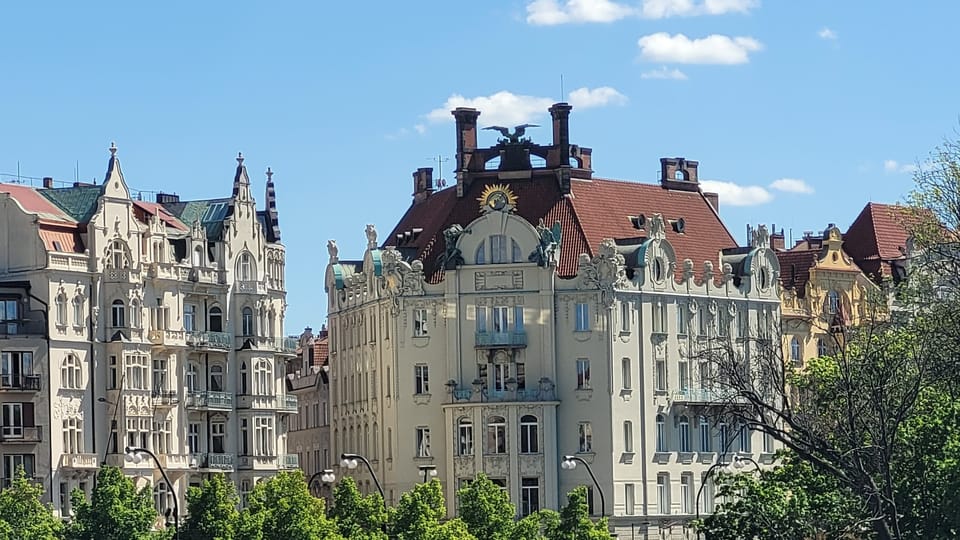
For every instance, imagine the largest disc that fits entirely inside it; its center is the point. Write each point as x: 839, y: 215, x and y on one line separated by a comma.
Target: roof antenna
x: 561, y: 87
x: 440, y: 160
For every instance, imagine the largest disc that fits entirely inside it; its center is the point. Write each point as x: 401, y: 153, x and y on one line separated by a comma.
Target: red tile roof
x: 35, y: 203
x: 877, y: 237
x: 795, y: 268
x: 321, y: 350
x: 596, y: 209
x: 143, y: 208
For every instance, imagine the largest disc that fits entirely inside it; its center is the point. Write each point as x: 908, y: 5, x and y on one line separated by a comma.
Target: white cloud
x: 664, y: 73
x: 659, y: 9
x: 509, y: 109
x: 791, y: 185
x: 398, y: 134
x: 893, y: 166
x: 826, y: 33
x: 553, y: 12
x: 420, y: 128
x: 585, y: 98
x: 735, y: 194
x: 713, y: 49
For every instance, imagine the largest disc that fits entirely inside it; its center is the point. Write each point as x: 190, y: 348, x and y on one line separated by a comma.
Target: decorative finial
x: 240, y: 158
x: 113, y: 149
x: 269, y: 175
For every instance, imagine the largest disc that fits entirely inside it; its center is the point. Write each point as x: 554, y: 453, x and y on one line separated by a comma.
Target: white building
x: 532, y: 311
x: 146, y: 324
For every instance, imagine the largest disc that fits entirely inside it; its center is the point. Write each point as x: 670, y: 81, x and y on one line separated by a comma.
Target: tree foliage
x: 573, y: 522
x: 282, y: 508
x: 116, y: 510
x: 486, y: 510
x: 22, y: 511
x: 419, y: 516
x: 357, y: 517
x: 212, y: 510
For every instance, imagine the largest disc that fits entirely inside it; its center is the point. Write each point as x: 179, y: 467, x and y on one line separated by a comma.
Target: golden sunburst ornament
x: 497, y: 197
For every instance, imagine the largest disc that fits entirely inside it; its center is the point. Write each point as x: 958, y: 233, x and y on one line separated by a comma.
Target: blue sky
x: 344, y: 100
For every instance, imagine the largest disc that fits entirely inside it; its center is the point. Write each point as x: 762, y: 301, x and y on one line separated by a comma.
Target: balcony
x: 290, y: 461
x: 257, y: 462
x: 283, y: 403
x: 68, y: 261
x: 164, y: 398
x: 21, y: 434
x: 175, y: 461
x: 31, y: 327
x: 250, y: 287
x: 496, y: 340
x: 289, y: 404
x: 281, y: 345
x: 702, y: 396
x: 482, y: 394
x: 209, y: 400
x: 19, y: 383
x: 212, y: 461
x: 219, y: 341
x: 167, y: 338
x: 79, y: 461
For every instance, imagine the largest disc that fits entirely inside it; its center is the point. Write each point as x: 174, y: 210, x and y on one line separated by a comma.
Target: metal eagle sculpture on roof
x: 513, y: 138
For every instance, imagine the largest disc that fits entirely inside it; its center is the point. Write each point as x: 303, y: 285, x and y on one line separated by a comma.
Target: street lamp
x: 428, y: 470
x: 570, y: 462
x: 733, y: 467
x: 351, y: 461
x: 325, y: 476
x: 135, y: 455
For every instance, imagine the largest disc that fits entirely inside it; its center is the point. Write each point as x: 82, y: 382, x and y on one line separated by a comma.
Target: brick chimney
x: 679, y: 174
x: 166, y: 198
x: 713, y: 199
x: 466, y: 119
x: 422, y: 184
x: 778, y: 241
x: 47, y: 182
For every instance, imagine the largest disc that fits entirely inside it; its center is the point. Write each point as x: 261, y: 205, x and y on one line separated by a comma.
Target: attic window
x: 57, y: 246
x: 679, y: 225
x: 638, y: 221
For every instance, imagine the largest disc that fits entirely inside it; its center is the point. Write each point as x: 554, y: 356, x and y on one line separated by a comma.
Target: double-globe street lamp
x: 428, y: 472
x: 325, y: 476
x: 734, y: 467
x: 135, y: 455
x: 351, y: 461
x: 570, y: 463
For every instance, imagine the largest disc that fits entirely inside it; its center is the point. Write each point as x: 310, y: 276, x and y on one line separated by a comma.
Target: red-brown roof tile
x: 144, y: 208
x: 35, y: 203
x: 877, y: 237
x: 795, y: 268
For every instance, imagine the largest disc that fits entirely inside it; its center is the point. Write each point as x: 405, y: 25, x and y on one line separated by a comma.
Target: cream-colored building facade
x: 823, y: 292
x: 309, y: 436
x: 533, y: 311
x: 155, y: 325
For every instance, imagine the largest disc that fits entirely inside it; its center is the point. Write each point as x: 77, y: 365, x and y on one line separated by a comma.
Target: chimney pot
x: 48, y: 182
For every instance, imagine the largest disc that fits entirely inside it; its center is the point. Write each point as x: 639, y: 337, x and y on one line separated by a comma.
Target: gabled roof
x: 210, y: 213
x: 33, y: 202
x: 155, y: 209
x: 595, y: 209
x: 79, y: 202
x: 795, y: 268
x: 878, y: 237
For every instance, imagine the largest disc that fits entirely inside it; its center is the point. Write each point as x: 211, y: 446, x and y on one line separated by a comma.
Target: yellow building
x: 823, y: 290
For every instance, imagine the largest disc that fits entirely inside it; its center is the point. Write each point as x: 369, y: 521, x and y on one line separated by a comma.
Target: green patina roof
x: 210, y: 213
x: 80, y: 202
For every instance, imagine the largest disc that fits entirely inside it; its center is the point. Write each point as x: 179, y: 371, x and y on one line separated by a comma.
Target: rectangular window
x: 583, y: 374
x: 481, y: 315
x: 497, y: 435
x: 521, y: 375
x: 686, y: 493
x: 723, y: 322
x: 423, y: 442
x: 10, y: 315
x: 703, y: 322
x: 72, y: 435
x: 724, y: 434
x: 518, y: 318
x: 746, y: 435
x: 681, y: 318
x: 628, y: 436
x: 193, y: 438
x: 189, y: 317
x: 15, y: 366
x: 705, y: 377
x: 420, y: 322
x: 625, y: 373
x: 162, y: 437
x: 464, y: 438
x: 13, y: 423
x: 683, y: 374
x: 217, y: 437
x: 628, y: 499
x: 586, y: 438
x: 137, y: 376
x: 706, y: 437
x: 529, y: 441
x: 159, y: 375
x: 500, y: 320
x: 529, y: 495
x: 583, y: 318
x: 13, y: 462
x: 663, y: 493
x: 706, y: 504
x: 683, y: 434
x: 660, y: 377
x: 624, y: 317
x: 659, y: 316
x: 498, y: 249
x: 743, y: 322
x: 767, y: 443
x: 421, y: 375
x: 263, y: 431
x: 661, y: 434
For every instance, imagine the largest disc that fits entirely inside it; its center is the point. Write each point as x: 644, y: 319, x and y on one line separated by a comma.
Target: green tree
x: 790, y: 502
x: 420, y: 513
x: 573, y: 522
x: 116, y: 510
x: 212, y: 510
x: 357, y: 517
x: 282, y: 508
x: 22, y: 511
x: 486, y: 510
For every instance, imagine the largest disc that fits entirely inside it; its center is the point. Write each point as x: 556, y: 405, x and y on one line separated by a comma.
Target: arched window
x: 678, y: 174
x: 61, y: 309
x: 245, y: 269
x: 529, y: 442
x: 683, y: 434
x: 661, y: 434
x: 247, y: 322
x: 216, y: 319
x: 71, y: 375
x: 833, y: 302
x: 496, y: 435
x: 118, y: 255
x: 480, y: 256
x: 264, y: 378
x: 464, y: 437
x: 243, y: 377
x: 117, y: 314
x: 198, y: 256
x: 795, y: 350
x: 498, y: 249
x: 216, y: 378
x: 822, y: 349
x: 515, y: 248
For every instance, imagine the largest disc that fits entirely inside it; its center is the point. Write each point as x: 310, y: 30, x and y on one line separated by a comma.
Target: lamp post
x: 325, y: 476
x: 428, y: 471
x: 570, y: 462
x: 135, y: 454
x: 734, y: 467
x: 350, y: 461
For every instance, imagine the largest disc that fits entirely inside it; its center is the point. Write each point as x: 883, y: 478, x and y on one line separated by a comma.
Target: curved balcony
x: 216, y: 341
